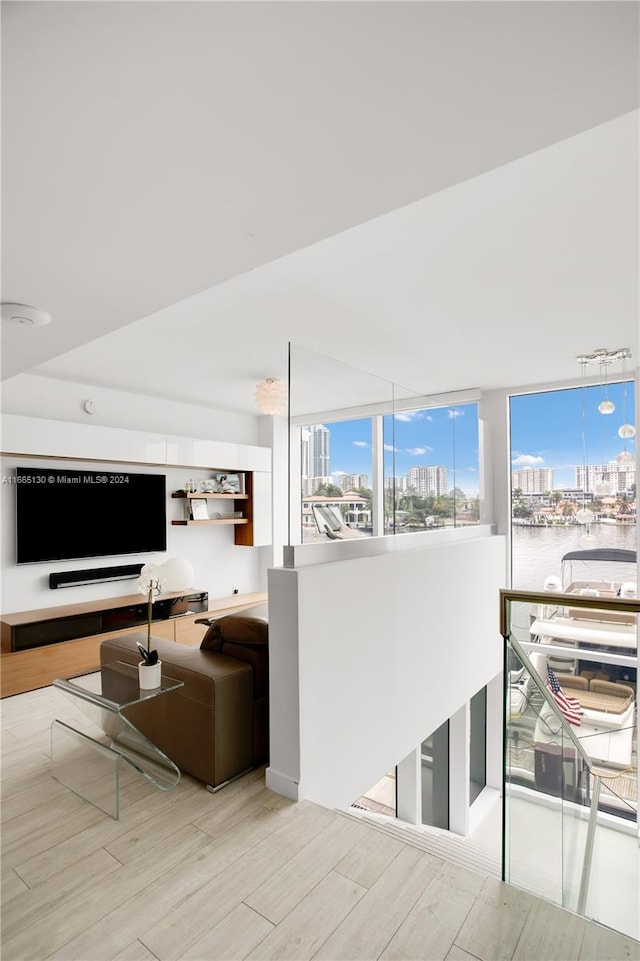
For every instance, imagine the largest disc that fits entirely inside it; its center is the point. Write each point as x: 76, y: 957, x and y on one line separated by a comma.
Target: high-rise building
x: 428, y: 481
x: 351, y: 482
x: 533, y: 480
x: 310, y: 485
x: 617, y: 477
x: 397, y: 483
x: 315, y: 454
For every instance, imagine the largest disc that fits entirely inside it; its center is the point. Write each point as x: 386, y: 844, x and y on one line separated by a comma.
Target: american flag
x: 570, y: 706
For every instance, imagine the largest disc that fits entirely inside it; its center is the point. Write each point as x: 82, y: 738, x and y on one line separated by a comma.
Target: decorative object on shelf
x: 198, y: 508
x: 174, y: 574
x: 229, y: 483
x: 271, y: 396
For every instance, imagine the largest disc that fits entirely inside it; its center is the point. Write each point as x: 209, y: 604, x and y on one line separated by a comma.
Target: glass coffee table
x: 92, y: 762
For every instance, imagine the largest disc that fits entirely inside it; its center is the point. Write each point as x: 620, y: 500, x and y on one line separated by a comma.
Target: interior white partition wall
x: 370, y: 654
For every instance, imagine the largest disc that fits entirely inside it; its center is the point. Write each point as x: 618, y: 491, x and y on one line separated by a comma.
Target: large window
x: 426, y: 463
x: 431, y: 468
x: 573, y: 478
x: 336, y: 479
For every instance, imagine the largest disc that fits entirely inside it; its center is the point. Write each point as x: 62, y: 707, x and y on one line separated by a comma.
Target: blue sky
x: 415, y: 439
x: 546, y: 431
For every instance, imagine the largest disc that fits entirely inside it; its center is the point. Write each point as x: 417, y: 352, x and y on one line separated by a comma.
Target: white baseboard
x: 282, y: 784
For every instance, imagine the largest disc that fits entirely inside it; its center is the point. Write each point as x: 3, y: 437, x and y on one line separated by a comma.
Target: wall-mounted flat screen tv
x: 63, y: 514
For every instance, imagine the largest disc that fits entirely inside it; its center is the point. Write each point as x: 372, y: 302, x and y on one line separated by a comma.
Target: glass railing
x: 570, y: 752
x: 368, y: 457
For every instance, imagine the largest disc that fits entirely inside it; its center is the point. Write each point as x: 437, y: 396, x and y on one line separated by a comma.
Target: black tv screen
x: 63, y: 514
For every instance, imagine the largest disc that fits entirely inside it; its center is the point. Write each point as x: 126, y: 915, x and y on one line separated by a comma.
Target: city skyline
x: 559, y: 430
x: 564, y: 429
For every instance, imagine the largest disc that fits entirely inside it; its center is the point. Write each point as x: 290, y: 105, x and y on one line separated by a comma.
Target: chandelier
x: 603, y: 358
x: 271, y: 396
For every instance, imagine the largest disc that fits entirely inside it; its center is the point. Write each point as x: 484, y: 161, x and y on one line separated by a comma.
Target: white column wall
x: 409, y: 788
x: 459, y: 761
x: 388, y: 647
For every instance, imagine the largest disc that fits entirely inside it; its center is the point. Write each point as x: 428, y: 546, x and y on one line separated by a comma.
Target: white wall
x: 386, y: 648
x: 220, y: 565
x: 35, y: 396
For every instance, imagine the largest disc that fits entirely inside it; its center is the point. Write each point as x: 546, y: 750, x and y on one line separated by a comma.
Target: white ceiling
x: 444, y: 194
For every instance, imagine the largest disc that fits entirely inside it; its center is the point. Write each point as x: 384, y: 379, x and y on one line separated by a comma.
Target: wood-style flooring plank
x: 17, y: 805
x: 365, y: 862
x: 299, y: 936
x: 287, y: 887
x: 495, y: 923
x: 11, y: 885
x: 457, y: 954
x: 141, y: 811
x: 549, y: 933
x: 147, y: 832
x: 45, y: 898
x: 430, y: 928
x: 135, y: 951
x: 47, y: 825
x: 225, y: 815
x: 233, y: 937
x: 601, y: 944
x: 372, y: 923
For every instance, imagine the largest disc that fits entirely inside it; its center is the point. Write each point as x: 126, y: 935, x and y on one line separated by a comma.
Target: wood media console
x: 39, y: 646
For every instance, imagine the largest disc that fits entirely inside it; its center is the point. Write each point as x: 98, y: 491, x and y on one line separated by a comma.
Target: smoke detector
x: 25, y: 316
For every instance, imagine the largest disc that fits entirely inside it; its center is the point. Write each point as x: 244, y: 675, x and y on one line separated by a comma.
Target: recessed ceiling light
x: 25, y: 316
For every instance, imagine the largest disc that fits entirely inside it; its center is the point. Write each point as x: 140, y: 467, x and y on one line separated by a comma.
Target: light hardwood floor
x: 243, y: 873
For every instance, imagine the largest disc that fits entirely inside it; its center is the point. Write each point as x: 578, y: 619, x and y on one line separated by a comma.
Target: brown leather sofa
x: 217, y: 725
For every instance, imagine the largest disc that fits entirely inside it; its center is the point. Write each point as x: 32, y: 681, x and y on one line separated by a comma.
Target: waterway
x: 538, y: 551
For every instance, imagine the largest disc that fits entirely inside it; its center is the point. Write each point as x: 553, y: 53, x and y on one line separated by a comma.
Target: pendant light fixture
x: 626, y: 431
x: 605, y: 406
x: 601, y: 488
x: 584, y: 516
x: 271, y: 396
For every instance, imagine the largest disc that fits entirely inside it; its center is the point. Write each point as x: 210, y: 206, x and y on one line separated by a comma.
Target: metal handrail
x: 624, y: 605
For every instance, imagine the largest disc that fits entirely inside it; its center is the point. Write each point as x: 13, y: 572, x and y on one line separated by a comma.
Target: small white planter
x: 149, y: 675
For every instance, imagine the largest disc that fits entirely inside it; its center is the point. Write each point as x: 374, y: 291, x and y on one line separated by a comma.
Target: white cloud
x: 408, y: 415
x: 527, y: 460
x: 360, y: 443
x: 417, y: 451
x: 455, y: 413
x: 391, y: 447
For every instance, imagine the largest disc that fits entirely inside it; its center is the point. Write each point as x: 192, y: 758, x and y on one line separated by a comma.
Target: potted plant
x: 149, y: 669
x: 174, y: 574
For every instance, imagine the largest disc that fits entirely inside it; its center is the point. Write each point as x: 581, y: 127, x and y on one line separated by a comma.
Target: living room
x: 481, y: 249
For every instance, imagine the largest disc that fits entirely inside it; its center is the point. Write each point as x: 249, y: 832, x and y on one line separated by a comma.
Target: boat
x: 593, y: 654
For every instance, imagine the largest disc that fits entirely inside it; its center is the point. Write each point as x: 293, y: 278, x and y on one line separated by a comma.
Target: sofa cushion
x: 238, y: 629
x: 244, y: 637
x: 602, y: 696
